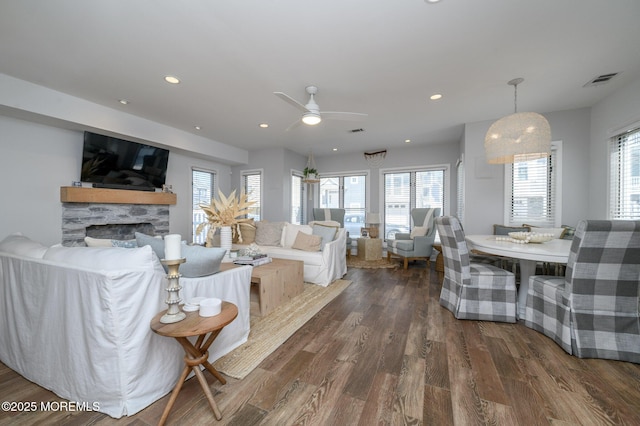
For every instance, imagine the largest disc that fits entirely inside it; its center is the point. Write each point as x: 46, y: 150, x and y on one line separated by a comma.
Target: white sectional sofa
x: 79, y: 325
x: 320, y: 267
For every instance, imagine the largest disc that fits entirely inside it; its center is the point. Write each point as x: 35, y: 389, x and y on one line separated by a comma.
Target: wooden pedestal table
x: 196, y: 354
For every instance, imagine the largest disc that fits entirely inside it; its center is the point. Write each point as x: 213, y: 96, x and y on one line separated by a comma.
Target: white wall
x: 484, y: 183
x: 609, y: 117
x: 37, y: 160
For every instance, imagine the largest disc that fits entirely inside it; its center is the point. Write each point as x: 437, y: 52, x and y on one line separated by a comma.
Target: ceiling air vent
x: 356, y: 130
x: 601, y: 79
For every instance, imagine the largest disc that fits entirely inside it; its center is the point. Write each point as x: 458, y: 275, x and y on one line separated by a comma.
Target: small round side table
x: 196, y: 354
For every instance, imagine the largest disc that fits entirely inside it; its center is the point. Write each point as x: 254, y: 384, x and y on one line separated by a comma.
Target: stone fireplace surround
x: 111, y: 213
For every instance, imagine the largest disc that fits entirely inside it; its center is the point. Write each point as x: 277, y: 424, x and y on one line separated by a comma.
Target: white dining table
x: 554, y: 251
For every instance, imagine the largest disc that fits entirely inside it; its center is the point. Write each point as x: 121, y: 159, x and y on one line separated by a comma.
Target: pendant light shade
x: 526, y: 135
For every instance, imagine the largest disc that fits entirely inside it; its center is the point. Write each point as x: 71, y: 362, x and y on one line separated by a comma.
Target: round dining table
x: 554, y: 251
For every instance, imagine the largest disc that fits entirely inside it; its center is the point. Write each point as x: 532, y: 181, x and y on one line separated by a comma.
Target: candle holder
x: 173, y: 314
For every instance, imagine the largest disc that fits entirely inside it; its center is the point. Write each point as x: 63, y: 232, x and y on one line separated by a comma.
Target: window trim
x: 214, y: 191
x: 250, y: 172
x: 633, y: 127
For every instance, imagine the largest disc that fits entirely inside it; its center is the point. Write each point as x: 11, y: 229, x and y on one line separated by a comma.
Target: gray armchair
x: 594, y: 310
x: 336, y: 215
x: 418, y: 247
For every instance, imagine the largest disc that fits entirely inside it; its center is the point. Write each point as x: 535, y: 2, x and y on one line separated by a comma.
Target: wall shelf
x: 74, y: 194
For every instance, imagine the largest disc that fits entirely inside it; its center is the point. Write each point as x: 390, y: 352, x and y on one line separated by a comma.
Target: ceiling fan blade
x: 291, y: 101
x: 346, y: 116
x: 293, y: 125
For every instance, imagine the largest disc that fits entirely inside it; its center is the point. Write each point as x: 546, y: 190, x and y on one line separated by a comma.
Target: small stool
x: 196, y: 354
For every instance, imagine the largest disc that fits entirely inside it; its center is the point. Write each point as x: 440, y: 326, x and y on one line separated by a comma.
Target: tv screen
x: 115, y: 163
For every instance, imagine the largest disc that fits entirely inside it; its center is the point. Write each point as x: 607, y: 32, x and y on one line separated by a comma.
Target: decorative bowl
x: 531, y: 237
x: 519, y: 235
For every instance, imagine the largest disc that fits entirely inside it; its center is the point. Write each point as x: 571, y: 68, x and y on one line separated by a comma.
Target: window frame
x: 243, y: 184
x: 195, y: 238
x: 556, y: 220
x: 615, y: 185
x: 297, y: 174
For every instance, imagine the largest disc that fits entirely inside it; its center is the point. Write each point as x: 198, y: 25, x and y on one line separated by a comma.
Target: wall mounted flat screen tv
x: 109, y: 162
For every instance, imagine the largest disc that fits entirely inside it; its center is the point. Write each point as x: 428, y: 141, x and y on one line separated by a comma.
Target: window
x: 624, y: 193
x: 405, y: 190
x: 297, y: 198
x: 252, y: 186
x: 203, y: 188
x: 349, y: 192
x: 460, y: 188
x: 532, y: 190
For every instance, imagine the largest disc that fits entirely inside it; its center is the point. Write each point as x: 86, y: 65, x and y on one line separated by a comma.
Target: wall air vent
x: 601, y: 79
x: 356, y: 130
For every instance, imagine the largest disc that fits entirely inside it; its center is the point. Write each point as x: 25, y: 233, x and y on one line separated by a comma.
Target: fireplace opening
x: 119, y: 231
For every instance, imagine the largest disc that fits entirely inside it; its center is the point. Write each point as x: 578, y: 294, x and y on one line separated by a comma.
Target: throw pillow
x: 504, y: 230
x: 557, y: 232
x: 290, y: 233
x: 325, y: 223
x: 157, y: 244
x: 201, y: 261
x: 97, y: 242
x: 268, y: 233
x: 105, y: 258
x: 124, y: 243
x: 307, y: 242
x: 20, y: 245
x: 327, y: 233
x: 248, y: 230
x: 418, y: 231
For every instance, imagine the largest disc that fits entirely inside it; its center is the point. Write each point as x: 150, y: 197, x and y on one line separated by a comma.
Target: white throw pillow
x: 269, y: 233
x: 419, y: 231
x: 105, y: 258
x: 20, y: 245
x: 290, y: 232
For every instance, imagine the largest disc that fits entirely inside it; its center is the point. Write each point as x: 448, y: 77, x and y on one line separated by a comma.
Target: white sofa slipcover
x: 320, y: 267
x: 84, y: 334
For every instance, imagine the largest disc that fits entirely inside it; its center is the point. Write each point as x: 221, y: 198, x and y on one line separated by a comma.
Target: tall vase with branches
x: 223, y: 212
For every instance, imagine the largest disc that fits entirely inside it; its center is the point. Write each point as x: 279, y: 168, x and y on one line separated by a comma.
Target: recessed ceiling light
x: 407, y: 141
x: 123, y: 101
x: 435, y: 96
x: 197, y: 127
x: 264, y: 125
x: 432, y: 1
x: 335, y: 149
x: 171, y: 79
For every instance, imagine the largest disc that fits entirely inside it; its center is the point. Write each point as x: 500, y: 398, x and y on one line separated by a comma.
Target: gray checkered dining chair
x: 593, y: 311
x: 475, y: 291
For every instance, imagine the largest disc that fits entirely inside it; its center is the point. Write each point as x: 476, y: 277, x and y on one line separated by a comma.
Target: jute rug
x: 354, y: 262
x: 269, y: 332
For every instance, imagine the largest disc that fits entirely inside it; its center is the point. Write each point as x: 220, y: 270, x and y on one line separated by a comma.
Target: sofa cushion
x: 21, y: 245
x: 307, y: 242
x: 327, y: 233
x: 269, y: 233
x: 107, y: 242
x: 201, y: 261
x: 290, y: 233
x: 157, y: 244
x: 312, y: 258
x: 105, y: 258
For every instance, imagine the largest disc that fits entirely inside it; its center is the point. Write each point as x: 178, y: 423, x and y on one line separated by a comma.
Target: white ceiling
x: 381, y: 57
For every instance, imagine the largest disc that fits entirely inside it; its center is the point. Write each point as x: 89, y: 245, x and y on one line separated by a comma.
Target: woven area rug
x: 354, y: 262
x: 269, y: 332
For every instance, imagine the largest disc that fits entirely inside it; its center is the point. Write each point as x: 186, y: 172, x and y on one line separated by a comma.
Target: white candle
x: 172, y: 249
x: 210, y: 307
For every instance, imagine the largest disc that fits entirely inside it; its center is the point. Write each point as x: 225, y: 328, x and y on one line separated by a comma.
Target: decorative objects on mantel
x: 226, y: 212
x: 521, y: 136
x: 173, y: 259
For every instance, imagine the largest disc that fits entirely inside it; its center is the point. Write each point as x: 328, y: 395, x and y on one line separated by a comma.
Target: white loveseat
x: 320, y: 267
x: 81, y: 329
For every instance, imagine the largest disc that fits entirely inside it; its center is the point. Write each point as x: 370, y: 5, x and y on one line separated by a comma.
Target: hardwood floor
x: 385, y: 352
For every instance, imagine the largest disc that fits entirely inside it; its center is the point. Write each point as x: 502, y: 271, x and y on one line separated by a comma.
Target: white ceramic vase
x: 225, y: 242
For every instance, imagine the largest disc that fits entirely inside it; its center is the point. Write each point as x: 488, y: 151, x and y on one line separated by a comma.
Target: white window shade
x: 624, y: 196
x: 532, y: 196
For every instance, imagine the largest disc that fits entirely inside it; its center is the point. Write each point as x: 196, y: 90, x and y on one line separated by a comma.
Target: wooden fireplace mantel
x: 74, y: 194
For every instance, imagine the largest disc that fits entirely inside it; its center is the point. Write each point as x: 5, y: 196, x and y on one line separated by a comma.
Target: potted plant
x: 310, y: 173
x: 226, y: 213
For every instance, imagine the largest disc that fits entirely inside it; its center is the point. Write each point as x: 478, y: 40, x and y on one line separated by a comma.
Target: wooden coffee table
x: 277, y: 282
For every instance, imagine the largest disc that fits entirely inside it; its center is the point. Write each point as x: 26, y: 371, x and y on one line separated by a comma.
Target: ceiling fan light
x: 525, y: 135
x: 311, y: 118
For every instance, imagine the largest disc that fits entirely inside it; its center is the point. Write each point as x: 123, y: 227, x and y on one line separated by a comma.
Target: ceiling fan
x: 311, y: 111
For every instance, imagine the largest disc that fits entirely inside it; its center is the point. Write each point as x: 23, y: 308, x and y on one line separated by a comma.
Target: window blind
x: 624, y: 196
x: 533, y: 192
x: 203, y: 184
x: 252, y: 184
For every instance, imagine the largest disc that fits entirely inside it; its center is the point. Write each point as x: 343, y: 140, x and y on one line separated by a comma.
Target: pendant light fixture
x: 522, y: 135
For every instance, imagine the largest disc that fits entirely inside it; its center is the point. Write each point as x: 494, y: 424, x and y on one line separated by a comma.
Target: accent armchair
x: 593, y: 311
x: 472, y: 290
x: 419, y: 243
x: 336, y: 215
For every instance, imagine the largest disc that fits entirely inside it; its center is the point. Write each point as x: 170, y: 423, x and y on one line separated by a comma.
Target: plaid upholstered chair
x: 473, y: 290
x: 419, y: 243
x: 592, y: 312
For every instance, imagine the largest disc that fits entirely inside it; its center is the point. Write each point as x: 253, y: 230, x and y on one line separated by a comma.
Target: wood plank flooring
x: 385, y: 352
